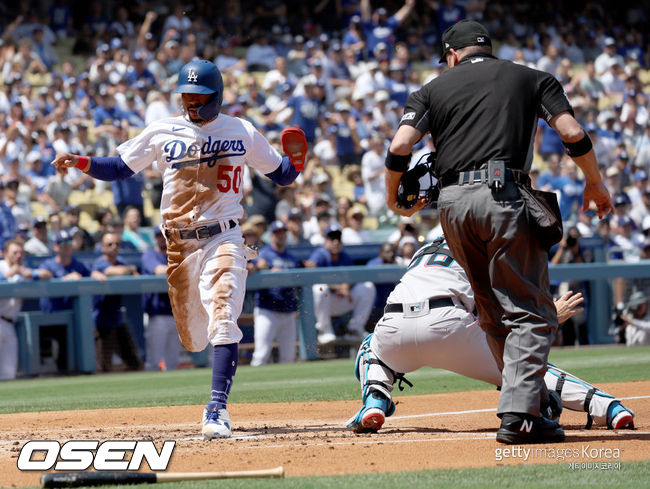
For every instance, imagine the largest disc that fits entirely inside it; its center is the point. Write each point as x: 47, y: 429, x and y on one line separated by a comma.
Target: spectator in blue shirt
x: 65, y: 267
x: 378, y: 27
x: 333, y: 300
x: 113, y: 335
x: 275, y: 309
x: 161, y: 338
x: 306, y: 109
x: 547, y: 141
x: 8, y: 226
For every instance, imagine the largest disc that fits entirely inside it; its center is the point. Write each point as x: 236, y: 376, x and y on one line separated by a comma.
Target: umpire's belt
x: 202, y: 232
x: 433, y: 303
x: 480, y: 176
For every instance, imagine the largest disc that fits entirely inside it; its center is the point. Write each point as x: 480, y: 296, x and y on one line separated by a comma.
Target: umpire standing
x: 482, y: 115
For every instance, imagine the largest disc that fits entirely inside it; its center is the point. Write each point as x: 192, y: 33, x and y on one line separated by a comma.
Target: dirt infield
x: 454, y: 430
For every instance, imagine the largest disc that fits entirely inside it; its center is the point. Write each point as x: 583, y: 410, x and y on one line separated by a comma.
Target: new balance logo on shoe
x: 527, y: 425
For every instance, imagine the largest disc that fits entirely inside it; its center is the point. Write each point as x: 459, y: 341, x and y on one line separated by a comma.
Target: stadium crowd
x: 83, y: 77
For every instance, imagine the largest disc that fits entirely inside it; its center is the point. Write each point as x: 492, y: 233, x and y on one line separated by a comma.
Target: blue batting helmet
x: 202, y: 77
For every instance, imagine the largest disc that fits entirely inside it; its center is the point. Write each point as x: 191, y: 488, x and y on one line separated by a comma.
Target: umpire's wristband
x: 579, y: 148
x: 397, y: 162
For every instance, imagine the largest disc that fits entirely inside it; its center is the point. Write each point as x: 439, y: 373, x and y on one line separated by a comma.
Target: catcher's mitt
x: 410, y: 189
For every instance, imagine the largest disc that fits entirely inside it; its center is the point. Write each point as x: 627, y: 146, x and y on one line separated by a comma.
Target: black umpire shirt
x: 484, y: 109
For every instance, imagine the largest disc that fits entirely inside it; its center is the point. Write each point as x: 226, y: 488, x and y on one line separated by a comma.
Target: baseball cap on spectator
x: 610, y: 41
x: 310, y: 44
x: 342, y: 106
x: 72, y: 209
x: 256, y: 219
x: 620, y: 199
x: 333, y: 232
x: 171, y: 44
x: 625, y: 221
x: 463, y: 34
x: 336, y: 46
x: 317, y: 63
x: 355, y: 19
x: 382, y: 96
x: 294, y: 213
x: 250, y: 228
x: 63, y: 236
x: 277, y: 226
x: 235, y: 110
x: 356, y: 210
x: 298, y: 39
x: 623, y: 156
x: 381, y: 11
x: 640, y: 175
x: 39, y: 221
x: 612, y: 171
x: 116, y: 43
x: 320, y: 177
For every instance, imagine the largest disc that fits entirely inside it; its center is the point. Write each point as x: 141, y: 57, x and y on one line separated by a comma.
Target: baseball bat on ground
x: 78, y: 479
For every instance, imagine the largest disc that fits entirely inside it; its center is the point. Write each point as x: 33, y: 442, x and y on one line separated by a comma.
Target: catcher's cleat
x: 619, y: 417
x: 523, y: 428
x: 216, y: 422
x: 370, y: 418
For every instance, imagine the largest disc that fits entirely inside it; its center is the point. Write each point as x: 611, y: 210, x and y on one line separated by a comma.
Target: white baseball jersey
x: 202, y: 166
x: 449, y: 280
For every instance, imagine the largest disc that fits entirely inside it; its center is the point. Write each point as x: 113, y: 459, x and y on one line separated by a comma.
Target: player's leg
x: 172, y: 344
x: 155, y: 338
x: 322, y: 313
x: 222, y: 287
x: 286, y: 336
x: 363, y: 298
x: 578, y: 395
x: 264, y: 333
x: 376, y: 380
x: 8, y: 351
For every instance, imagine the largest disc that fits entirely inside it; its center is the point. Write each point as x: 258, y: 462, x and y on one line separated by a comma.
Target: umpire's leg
x: 490, y: 237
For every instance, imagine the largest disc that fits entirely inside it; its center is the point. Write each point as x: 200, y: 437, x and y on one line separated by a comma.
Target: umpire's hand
x: 598, y: 194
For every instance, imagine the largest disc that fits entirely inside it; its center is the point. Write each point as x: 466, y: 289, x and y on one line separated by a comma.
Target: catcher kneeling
x: 428, y: 322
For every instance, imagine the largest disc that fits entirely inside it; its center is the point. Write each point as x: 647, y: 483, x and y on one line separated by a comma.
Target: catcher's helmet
x: 202, y: 77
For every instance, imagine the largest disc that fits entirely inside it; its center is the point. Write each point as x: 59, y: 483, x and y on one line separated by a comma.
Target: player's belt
x: 9, y: 320
x: 205, y: 232
x: 433, y: 303
x: 480, y: 176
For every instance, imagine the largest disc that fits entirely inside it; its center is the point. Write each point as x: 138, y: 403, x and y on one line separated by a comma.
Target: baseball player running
x: 201, y: 156
x: 428, y: 321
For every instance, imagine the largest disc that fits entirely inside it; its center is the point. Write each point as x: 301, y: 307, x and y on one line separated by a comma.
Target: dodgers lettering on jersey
x: 433, y: 275
x: 202, y: 166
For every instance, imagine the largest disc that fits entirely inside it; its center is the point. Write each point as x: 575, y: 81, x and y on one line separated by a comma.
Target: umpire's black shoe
x: 523, y: 428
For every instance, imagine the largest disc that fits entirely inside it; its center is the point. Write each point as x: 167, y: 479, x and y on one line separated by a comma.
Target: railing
x: 83, y: 291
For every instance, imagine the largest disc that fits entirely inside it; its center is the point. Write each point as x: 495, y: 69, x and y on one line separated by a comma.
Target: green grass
x: 309, y: 381
x: 630, y: 475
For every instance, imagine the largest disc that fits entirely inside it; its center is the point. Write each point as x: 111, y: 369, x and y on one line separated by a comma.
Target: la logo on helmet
x: 192, y: 77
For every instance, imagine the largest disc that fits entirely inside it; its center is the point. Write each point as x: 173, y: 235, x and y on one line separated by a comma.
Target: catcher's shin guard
x: 376, y: 385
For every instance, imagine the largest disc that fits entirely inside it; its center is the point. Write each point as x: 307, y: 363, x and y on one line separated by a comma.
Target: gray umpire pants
x: 490, y: 237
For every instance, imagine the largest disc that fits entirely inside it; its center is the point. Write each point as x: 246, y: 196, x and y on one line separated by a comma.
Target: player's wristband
x: 83, y: 164
x: 397, y: 162
x: 579, y: 148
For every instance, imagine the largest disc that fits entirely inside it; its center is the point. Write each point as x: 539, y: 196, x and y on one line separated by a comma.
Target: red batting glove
x: 294, y: 145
